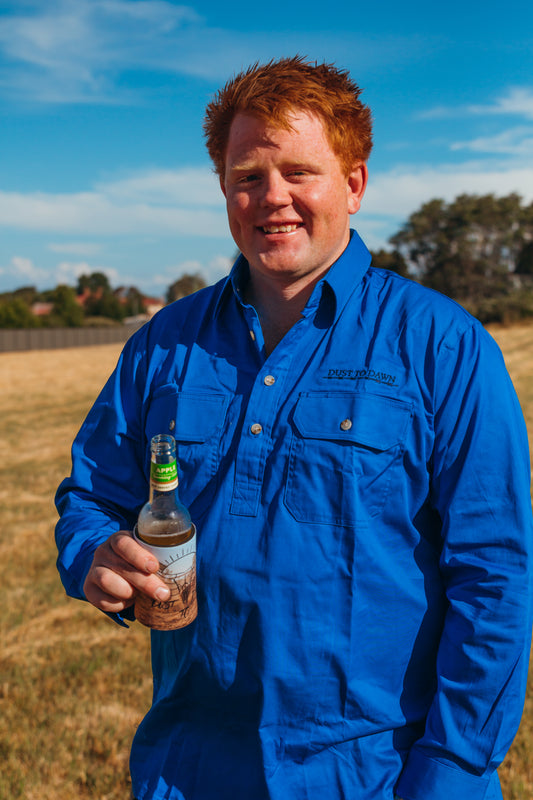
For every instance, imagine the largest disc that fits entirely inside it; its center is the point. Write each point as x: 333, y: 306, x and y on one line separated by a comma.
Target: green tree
x: 16, y: 313
x: 95, y: 282
x: 134, y: 302
x: 186, y: 285
x: 66, y: 311
x: 524, y: 264
x: 28, y: 294
x: 468, y: 248
x: 393, y: 261
x: 101, y: 301
x: 105, y: 305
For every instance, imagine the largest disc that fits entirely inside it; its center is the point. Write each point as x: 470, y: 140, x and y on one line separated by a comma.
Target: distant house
x: 148, y: 306
x: 83, y: 298
x: 152, y: 305
x: 40, y: 309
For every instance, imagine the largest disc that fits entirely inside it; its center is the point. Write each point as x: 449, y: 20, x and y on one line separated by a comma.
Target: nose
x: 275, y: 191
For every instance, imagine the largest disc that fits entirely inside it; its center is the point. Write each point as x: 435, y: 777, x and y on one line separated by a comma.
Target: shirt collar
x: 332, y: 292
x: 234, y: 283
x: 344, y: 275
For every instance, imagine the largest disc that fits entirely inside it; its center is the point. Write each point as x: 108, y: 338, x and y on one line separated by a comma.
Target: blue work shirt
x: 364, y: 527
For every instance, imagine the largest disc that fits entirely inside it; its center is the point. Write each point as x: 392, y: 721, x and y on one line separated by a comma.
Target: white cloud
x: 65, y: 51
x: 211, y: 271
x: 69, y: 271
x: 518, y: 101
x: 25, y: 270
x: 513, y: 142
x: 75, y: 248
x: 188, y: 202
x: 401, y: 191
x: 393, y: 196
x: 157, y: 202
x: 22, y: 271
x: 189, y: 186
x: 71, y: 50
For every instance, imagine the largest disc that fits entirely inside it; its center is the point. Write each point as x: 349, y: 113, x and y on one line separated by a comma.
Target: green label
x: 164, y: 474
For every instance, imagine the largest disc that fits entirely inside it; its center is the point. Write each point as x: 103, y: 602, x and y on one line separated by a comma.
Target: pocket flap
x: 189, y: 416
x: 372, y: 420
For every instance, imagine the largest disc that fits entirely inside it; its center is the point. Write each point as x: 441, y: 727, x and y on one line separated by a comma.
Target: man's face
x: 288, y: 198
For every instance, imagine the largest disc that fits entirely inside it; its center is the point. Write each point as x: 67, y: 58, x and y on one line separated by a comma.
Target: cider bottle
x: 164, y: 527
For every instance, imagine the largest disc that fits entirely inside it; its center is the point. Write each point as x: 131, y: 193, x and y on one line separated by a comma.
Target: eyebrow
x: 251, y: 166
x: 242, y: 167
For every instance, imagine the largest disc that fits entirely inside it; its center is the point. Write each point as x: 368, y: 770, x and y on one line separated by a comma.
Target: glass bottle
x: 164, y: 527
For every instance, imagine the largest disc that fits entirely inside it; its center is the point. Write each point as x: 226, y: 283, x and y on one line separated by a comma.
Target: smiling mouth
x: 280, y: 228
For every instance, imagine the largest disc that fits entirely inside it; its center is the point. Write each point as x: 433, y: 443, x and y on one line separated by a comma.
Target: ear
x: 356, y: 185
x: 222, y: 186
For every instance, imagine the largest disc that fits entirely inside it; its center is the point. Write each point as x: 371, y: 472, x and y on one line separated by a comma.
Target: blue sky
x: 102, y: 159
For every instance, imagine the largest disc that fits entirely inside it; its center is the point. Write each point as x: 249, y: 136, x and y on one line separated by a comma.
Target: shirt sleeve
x: 107, y: 484
x: 481, y: 490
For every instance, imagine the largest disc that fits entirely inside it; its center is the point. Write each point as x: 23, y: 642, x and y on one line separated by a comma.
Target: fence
x: 57, y: 338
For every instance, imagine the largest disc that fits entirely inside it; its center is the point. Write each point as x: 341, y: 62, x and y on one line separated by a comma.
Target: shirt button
x: 346, y: 424
x: 252, y: 336
x: 256, y: 428
x: 172, y: 424
x: 269, y: 380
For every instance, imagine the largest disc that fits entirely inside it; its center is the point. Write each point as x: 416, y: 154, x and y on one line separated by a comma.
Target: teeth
x: 280, y: 228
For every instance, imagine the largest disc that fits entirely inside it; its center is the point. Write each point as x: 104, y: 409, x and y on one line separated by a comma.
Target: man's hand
x: 121, y: 570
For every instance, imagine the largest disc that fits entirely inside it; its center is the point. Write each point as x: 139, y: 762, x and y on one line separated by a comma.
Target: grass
x: 74, y: 686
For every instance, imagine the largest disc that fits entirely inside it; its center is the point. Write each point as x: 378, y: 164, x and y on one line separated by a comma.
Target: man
x: 355, y: 460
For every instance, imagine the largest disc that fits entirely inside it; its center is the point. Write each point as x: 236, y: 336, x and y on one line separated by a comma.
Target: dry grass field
x: 73, y: 686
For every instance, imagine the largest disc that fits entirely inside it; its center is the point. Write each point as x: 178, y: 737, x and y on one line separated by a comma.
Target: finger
x: 128, y: 583
x: 123, y: 556
x: 111, y: 591
x: 108, y: 580
x: 103, y: 601
x: 138, y: 566
x: 125, y: 547
x: 122, y: 569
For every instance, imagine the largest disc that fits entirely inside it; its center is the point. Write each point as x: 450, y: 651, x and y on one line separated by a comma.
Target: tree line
x: 92, y: 302
x: 477, y: 249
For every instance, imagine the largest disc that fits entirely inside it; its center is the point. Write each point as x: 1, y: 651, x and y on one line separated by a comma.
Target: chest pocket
x: 345, y: 456
x: 196, y: 420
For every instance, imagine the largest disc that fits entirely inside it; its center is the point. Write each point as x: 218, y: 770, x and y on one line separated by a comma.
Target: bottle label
x: 164, y: 476
x: 177, y: 567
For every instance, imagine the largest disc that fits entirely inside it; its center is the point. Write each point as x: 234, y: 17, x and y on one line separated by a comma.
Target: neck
x: 278, y: 306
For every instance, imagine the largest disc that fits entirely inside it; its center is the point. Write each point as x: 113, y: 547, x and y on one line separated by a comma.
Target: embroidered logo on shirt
x: 365, y: 373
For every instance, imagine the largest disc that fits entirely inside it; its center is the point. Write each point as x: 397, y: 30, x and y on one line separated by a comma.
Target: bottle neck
x: 163, y: 478
x: 156, y: 492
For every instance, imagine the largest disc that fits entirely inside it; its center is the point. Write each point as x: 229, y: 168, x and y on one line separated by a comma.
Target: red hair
x: 274, y: 91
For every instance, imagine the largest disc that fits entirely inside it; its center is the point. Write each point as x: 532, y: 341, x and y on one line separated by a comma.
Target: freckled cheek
x: 312, y: 204
x: 240, y: 208
x: 239, y: 217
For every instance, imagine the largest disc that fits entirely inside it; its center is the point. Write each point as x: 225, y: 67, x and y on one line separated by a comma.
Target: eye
x: 249, y: 178
x: 297, y: 173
